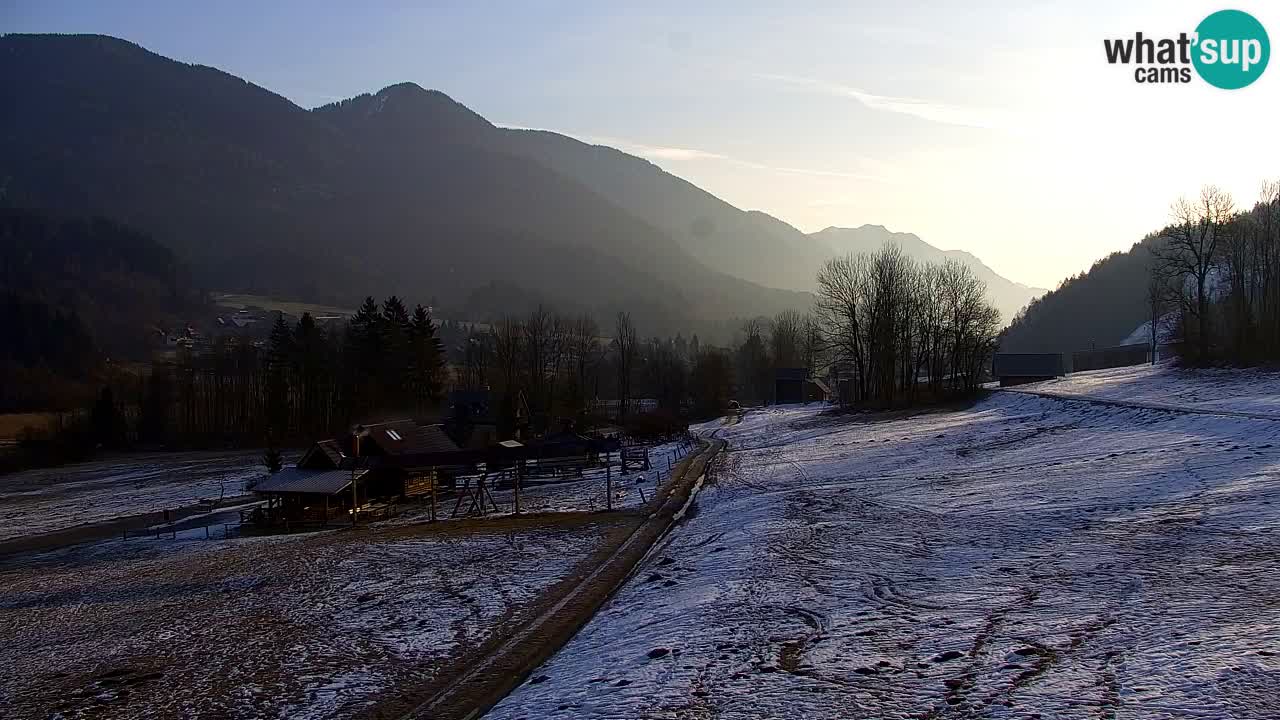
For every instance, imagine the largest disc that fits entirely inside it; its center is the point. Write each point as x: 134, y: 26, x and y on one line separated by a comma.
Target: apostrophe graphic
x: 1232, y: 49
x: 1229, y: 49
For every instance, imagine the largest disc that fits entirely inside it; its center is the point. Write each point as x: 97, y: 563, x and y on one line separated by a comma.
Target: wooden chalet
x: 385, y: 461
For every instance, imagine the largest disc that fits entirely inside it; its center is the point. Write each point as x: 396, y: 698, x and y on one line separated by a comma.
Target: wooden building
x: 385, y: 461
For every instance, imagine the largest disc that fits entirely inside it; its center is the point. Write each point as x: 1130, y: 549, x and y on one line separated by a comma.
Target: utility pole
x: 357, y: 432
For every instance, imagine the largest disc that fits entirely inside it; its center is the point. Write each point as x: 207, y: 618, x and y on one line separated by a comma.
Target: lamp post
x: 357, y: 432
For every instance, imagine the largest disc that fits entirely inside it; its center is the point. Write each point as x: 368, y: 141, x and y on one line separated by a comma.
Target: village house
x: 384, y: 461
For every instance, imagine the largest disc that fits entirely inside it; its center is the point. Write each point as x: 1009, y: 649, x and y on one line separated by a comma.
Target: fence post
x: 608, y: 490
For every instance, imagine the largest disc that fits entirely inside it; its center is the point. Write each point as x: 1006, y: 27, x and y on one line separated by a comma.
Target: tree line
x: 305, y: 382
x: 894, y: 328
x: 1216, y: 268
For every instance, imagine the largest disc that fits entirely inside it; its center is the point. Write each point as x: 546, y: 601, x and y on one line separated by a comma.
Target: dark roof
x: 405, y: 437
x: 331, y: 450
x: 323, y: 453
x: 790, y: 373
x: 314, y: 482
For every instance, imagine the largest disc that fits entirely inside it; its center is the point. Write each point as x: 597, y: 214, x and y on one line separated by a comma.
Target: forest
x: 1217, y: 270
x: 76, y: 295
x: 1209, y: 279
x: 885, y: 330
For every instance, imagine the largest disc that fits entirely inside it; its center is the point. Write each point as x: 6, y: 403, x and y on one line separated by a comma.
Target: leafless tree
x: 786, y: 338
x: 624, y: 353
x: 1190, y: 253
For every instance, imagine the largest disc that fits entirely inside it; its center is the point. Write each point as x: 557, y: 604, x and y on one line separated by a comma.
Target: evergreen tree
x: 395, y: 359
x: 279, y: 354
x: 426, y: 358
x: 272, y: 459
x: 153, y: 423
x: 362, y: 354
x: 107, y: 423
x: 310, y: 368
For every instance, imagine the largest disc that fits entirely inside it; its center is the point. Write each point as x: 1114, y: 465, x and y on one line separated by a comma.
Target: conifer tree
x: 426, y: 358
x: 279, y: 354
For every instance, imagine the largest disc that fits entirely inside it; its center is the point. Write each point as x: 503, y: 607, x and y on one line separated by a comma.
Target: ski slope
x: 1027, y: 557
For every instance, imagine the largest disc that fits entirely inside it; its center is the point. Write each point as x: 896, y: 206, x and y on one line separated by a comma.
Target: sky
x: 997, y: 128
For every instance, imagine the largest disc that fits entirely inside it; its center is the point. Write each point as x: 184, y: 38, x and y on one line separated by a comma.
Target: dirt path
x: 563, y: 611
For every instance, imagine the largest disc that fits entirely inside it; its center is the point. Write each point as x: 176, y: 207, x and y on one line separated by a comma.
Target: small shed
x: 1019, y: 368
x: 818, y: 391
x: 789, y: 385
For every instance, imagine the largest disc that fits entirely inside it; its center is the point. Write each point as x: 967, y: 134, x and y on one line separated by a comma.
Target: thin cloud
x: 938, y: 112
x: 681, y: 154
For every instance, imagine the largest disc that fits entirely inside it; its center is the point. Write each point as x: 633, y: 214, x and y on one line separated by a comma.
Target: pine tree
x: 362, y: 353
x: 272, y: 459
x: 106, y: 419
x: 395, y: 360
x: 153, y: 423
x: 426, y: 358
x: 279, y: 354
x: 309, y: 366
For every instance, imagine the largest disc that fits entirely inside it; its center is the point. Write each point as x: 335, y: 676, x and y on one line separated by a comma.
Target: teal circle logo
x: 1232, y: 49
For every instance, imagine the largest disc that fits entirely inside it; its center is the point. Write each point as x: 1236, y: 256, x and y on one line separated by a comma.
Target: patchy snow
x: 1165, y: 384
x: 45, y: 500
x: 578, y: 493
x: 1027, y: 557
x: 1167, y: 329
x: 314, y: 625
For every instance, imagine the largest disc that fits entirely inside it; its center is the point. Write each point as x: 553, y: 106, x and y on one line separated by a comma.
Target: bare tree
x: 584, y: 354
x: 624, y: 352
x: 1191, y: 253
x: 786, y: 338
x: 476, y: 352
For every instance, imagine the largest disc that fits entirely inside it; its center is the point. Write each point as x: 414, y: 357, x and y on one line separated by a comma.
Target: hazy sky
x: 997, y: 129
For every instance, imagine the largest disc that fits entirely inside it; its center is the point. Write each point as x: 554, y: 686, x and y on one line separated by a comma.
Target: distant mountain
x: 748, y: 244
x: 1099, y: 308
x: 1008, y: 296
x: 404, y: 191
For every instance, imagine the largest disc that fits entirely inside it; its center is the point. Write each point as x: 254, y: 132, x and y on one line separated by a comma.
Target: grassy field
x: 289, y: 307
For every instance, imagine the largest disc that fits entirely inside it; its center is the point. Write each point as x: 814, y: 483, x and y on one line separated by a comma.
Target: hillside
x: 1098, y: 308
x: 400, y: 191
x: 1009, y: 297
x: 73, y: 293
x: 747, y: 244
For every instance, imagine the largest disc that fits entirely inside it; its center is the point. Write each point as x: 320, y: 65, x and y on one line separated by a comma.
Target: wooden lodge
x: 393, y: 461
x: 320, y: 489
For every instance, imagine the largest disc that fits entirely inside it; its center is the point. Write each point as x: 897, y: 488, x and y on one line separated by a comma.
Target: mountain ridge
x: 396, y: 189
x: 1009, y: 297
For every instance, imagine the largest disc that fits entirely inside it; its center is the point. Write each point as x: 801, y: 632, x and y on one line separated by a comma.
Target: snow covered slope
x: 1028, y: 557
x: 1254, y: 392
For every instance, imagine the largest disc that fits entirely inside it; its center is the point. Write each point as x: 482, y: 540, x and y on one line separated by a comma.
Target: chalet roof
x: 314, y: 482
x: 405, y: 437
x: 325, y: 454
x: 331, y: 450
